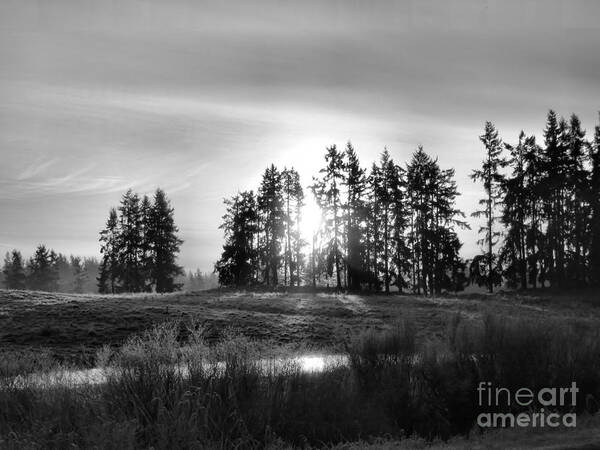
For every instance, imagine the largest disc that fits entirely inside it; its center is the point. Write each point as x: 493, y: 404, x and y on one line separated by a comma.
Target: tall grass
x: 168, y: 389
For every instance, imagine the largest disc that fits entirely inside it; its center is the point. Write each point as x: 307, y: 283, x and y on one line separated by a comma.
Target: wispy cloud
x: 36, y: 168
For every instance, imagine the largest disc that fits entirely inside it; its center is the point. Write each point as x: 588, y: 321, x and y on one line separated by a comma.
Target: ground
x: 74, y: 326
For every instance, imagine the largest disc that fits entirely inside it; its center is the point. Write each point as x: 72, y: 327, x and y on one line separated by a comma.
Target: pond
x: 305, y: 363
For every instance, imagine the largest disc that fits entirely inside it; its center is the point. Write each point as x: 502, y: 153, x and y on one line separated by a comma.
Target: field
x: 409, y: 382
x: 74, y: 326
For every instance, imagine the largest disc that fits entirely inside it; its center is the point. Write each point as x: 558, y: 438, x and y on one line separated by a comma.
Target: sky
x: 199, y: 97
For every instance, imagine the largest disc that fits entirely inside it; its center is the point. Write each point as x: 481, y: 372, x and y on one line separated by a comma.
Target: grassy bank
x: 71, y: 328
x: 395, y: 385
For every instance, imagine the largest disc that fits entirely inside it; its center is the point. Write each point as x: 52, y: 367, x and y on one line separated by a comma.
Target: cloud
x: 35, y: 169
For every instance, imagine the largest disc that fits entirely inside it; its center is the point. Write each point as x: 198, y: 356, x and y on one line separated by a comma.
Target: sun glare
x: 311, y: 219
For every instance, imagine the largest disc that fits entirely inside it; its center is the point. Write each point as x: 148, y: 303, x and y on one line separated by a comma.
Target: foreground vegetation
x: 170, y: 388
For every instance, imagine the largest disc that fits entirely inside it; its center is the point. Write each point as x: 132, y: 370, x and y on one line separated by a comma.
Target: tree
x: 42, y: 272
x: 272, y: 218
x: 146, y: 257
x: 80, y: 274
x: 434, y: 243
x: 109, y: 267
x: 328, y: 196
x: 162, y: 245
x: 293, y: 197
x: 554, y: 165
x: 236, y: 265
x: 387, y: 194
x: 515, y: 213
x: 14, y: 270
x: 492, y: 181
x: 355, y: 182
x: 594, y: 198
x: 577, y: 206
x: 131, y: 274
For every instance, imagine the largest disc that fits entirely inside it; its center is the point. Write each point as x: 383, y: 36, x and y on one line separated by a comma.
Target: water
x: 306, y: 363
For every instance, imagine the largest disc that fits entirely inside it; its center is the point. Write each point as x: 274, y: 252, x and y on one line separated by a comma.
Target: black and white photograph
x: 319, y: 224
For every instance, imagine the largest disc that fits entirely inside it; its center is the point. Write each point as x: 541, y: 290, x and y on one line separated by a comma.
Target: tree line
x: 392, y: 225
x: 541, y: 208
x: 139, y: 246
x: 396, y: 225
x: 49, y: 271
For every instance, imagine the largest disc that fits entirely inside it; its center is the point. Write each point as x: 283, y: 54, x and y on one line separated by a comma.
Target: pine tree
x: 435, y: 245
x: 109, y: 267
x: 514, y: 215
x: 162, y: 245
x: 42, y: 273
x: 236, y: 265
x: 554, y: 183
x: 328, y: 196
x: 577, y: 207
x: 373, y: 228
x: 80, y: 274
x: 293, y: 197
x: 492, y: 181
x: 535, y: 236
x: 355, y: 182
x: 594, y: 198
x: 386, y: 194
x: 14, y: 271
x: 146, y: 257
x: 272, y: 219
x: 131, y: 274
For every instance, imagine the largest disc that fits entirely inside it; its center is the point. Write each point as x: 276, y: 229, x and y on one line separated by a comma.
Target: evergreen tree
x: 594, y: 199
x: 14, y: 271
x: 109, y: 267
x: 355, y: 182
x: 492, y: 181
x: 80, y: 274
x: 515, y: 212
x: 328, y: 196
x: 42, y: 272
x: 554, y: 183
x: 162, y: 245
x: 236, y: 265
x: 146, y: 257
x: 387, y: 193
x: 293, y: 196
x: 577, y: 207
x: 435, y: 246
x: 131, y: 268
x: 272, y: 219
x: 373, y: 229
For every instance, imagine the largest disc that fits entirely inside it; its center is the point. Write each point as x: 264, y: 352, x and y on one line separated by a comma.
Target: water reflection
x: 305, y: 363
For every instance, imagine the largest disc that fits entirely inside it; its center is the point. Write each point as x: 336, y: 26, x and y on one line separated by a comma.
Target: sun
x: 311, y: 219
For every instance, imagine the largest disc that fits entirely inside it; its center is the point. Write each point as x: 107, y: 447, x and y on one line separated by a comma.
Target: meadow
x: 187, y: 369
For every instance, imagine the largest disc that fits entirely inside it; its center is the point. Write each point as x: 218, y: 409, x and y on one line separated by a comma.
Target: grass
x: 171, y: 387
x: 72, y: 327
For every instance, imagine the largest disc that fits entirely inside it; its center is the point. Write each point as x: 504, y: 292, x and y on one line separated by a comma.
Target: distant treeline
x: 47, y: 270
x: 140, y: 246
x: 199, y: 281
x: 139, y: 250
x: 396, y: 225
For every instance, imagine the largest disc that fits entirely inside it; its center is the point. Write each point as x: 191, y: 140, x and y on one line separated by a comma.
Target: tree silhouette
x: 328, y: 196
x: 14, y: 270
x: 236, y: 265
x: 492, y: 180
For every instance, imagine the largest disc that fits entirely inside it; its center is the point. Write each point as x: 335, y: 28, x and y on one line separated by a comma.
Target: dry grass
x: 175, y: 389
x: 73, y: 327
